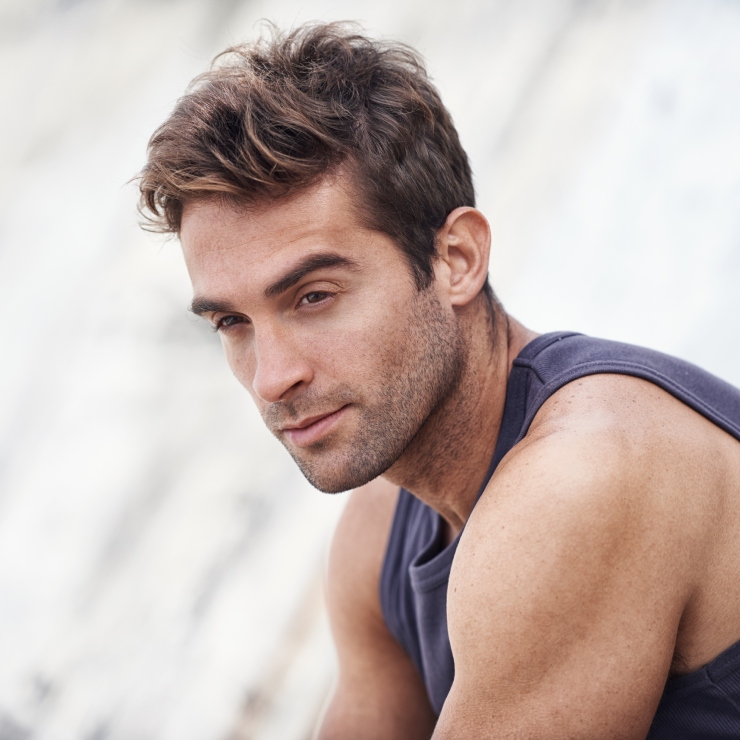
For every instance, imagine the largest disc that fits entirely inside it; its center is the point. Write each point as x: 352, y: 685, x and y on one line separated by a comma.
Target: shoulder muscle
x: 567, y: 590
x: 358, y: 548
x: 379, y: 692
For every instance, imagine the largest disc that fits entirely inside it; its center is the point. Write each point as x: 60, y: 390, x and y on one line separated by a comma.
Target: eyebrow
x: 305, y: 266
x: 201, y: 306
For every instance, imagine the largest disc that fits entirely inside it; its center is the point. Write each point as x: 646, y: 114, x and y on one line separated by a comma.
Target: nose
x: 280, y: 367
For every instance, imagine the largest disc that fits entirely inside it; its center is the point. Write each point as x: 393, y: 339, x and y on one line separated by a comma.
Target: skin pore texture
x: 603, y: 554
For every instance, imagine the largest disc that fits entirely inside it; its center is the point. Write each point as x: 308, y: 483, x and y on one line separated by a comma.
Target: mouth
x: 312, y: 429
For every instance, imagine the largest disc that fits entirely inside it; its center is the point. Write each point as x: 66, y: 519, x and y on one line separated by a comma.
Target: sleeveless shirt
x: 702, y: 705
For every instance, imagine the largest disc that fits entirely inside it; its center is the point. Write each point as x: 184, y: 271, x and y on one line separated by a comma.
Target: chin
x: 337, y: 478
x: 336, y: 481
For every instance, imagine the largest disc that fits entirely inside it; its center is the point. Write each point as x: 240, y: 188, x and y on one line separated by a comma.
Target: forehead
x: 227, y: 245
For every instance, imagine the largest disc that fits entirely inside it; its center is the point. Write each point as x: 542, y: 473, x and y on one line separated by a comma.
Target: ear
x: 463, y: 247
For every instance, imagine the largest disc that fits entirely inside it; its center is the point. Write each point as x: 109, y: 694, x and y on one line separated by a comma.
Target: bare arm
x: 379, y: 692
x: 567, y: 592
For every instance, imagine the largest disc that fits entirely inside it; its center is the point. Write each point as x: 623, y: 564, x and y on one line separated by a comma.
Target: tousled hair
x: 274, y: 116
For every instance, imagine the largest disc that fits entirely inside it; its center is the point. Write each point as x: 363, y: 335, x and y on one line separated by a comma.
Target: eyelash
x: 219, y: 325
x: 322, y: 293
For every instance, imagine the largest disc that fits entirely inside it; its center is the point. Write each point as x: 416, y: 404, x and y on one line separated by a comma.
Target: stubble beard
x: 423, y: 371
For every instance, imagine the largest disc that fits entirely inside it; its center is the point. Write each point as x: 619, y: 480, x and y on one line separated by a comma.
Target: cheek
x: 364, y: 345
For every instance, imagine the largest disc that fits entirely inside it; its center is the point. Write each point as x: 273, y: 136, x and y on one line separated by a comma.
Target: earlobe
x: 463, y: 245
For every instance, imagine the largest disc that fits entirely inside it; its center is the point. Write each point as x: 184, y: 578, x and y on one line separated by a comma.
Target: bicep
x: 379, y: 692
x: 563, y: 610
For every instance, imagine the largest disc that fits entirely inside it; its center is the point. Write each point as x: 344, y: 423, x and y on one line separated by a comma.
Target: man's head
x: 325, y: 207
x: 274, y: 116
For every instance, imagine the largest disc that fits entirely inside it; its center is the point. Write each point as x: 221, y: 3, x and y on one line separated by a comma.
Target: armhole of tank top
x: 389, y: 572
x: 635, y: 370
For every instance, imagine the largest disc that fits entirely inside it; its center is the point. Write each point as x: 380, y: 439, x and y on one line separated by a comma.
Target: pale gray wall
x: 160, y: 556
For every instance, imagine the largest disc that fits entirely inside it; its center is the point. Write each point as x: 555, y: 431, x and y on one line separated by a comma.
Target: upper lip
x: 303, y: 423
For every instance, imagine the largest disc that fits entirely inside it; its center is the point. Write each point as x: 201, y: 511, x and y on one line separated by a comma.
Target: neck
x: 447, y: 461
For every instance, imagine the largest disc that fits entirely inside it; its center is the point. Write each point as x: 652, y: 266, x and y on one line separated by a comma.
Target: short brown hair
x: 274, y: 116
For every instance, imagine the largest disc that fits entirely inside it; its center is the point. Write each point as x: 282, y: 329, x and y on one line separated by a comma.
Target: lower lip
x: 314, y: 432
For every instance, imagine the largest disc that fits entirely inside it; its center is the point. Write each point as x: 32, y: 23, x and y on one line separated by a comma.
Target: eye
x: 314, y: 296
x: 226, y: 322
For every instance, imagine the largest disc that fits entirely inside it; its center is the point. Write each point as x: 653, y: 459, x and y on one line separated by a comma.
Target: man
x: 543, y: 540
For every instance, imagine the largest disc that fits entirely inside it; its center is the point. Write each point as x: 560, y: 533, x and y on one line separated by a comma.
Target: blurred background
x: 161, y: 559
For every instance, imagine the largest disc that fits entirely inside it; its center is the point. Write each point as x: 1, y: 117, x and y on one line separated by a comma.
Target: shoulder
x: 379, y: 692
x: 611, y: 454
x: 575, y: 567
x: 624, y: 405
x: 600, y: 496
x: 624, y: 428
x: 358, y: 546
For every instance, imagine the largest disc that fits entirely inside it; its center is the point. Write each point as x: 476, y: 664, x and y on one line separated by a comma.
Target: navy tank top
x: 703, y: 705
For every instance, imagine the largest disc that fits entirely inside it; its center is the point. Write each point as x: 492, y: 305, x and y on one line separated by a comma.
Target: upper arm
x: 379, y: 692
x: 565, y: 597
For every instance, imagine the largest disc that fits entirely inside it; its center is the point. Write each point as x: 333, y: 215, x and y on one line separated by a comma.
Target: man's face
x: 323, y: 325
